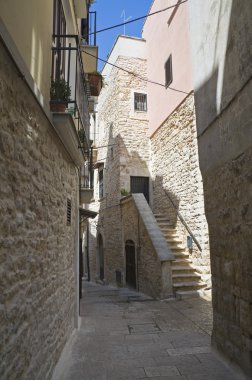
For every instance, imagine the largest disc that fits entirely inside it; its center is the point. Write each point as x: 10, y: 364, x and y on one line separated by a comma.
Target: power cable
x: 134, y: 74
x: 138, y: 18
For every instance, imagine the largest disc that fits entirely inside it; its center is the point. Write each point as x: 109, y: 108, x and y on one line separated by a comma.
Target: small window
x: 101, y: 184
x: 140, y: 102
x: 69, y: 212
x: 168, y: 72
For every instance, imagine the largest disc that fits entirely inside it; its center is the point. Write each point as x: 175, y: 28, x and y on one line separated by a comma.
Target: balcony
x: 69, y: 101
x: 86, y: 182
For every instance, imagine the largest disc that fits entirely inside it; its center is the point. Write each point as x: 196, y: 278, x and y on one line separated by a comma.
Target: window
x: 59, y: 29
x: 101, y: 184
x: 140, y: 102
x: 69, y: 212
x: 168, y: 72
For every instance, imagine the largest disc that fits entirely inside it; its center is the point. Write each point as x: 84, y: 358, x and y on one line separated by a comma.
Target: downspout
x: 88, y: 267
x: 138, y: 248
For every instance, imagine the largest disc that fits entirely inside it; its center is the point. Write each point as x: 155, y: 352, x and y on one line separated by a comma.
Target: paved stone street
x: 126, y: 335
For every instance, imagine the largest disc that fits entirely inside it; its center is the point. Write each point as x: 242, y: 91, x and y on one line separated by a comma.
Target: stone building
x: 122, y: 164
x: 176, y: 178
x: 40, y: 160
x: 148, y: 144
x: 221, y: 34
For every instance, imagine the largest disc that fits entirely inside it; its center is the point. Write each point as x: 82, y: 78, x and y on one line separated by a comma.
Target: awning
x: 87, y: 213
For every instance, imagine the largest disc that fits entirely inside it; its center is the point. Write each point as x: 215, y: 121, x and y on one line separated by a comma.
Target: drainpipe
x: 88, y: 267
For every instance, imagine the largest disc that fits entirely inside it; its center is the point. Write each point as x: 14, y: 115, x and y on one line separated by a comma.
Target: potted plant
x: 60, y: 93
x: 95, y: 82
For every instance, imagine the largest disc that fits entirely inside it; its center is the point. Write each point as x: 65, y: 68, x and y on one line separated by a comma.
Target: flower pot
x: 95, y: 83
x: 58, y: 107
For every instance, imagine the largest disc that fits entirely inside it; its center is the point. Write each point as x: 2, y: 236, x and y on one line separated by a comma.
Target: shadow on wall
x: 224, y: 114
x: 165, y: 202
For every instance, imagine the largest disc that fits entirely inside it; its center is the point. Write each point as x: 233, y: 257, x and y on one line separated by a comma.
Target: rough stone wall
x: 223, y: 91
x: 149, y: 276
x: 175, y: 168
x: 37, y: 292
x: 126, y: 130
x: 229, y: 215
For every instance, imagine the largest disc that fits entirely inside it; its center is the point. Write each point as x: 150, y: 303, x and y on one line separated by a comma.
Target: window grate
x: 140, y: 102
x: 168, y: 72
x: 69, y: 212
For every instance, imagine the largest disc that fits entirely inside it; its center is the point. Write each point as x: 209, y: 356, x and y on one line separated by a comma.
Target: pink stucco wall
x: 161, y: 41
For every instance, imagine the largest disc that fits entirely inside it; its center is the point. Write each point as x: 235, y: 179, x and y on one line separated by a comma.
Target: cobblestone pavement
x: 125, y: 335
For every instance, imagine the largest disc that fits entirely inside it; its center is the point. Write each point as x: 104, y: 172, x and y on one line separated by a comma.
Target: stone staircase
x: 186, y: 281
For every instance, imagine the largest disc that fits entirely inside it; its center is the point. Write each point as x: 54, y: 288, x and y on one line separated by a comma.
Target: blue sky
x: 111, y: 12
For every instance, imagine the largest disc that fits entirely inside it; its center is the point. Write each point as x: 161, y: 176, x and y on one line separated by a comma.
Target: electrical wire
x: 134, y: 74
x: 138, y: 18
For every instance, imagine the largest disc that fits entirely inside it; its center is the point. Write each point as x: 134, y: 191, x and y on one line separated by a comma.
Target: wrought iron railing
x: 67, y: 67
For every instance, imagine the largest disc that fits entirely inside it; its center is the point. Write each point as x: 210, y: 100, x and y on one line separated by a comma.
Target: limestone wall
x: 175, y: 168
x: 149, y: 274
x: 37, y: 248
x: 221, y: 46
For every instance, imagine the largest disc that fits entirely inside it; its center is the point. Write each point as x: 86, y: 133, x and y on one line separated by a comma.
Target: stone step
x: 172, y: 240
x: 182, y: 262
x: 188, y: 285
x: 168, y: 231
x: 185, y: 277
x: 164, y: 223
x: 160, y: 216
x: 183, y: 294
x: 180, y: 254
x: 176, y: 248
x: 176, y: 269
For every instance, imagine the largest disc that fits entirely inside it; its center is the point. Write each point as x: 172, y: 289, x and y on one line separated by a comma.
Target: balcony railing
x: 67, y: 67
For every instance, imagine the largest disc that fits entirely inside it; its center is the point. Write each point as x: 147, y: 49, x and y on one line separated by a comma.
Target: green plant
x: 124, y: 192
x: 81, y: 134
x: 60, y: 90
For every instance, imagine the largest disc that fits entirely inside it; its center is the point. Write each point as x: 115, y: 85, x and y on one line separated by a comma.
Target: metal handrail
x: 183, y: 221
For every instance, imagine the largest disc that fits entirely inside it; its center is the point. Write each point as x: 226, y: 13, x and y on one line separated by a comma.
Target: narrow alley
x: 127, y: 335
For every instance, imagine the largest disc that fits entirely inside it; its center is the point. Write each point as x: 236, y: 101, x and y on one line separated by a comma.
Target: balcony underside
x: 66, y: 129
x: 89, y: 61
x: 86, y: 195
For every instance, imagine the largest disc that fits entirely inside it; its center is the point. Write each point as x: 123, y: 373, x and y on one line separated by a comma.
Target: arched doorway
x: 100, y: 257
x: 130, y: 264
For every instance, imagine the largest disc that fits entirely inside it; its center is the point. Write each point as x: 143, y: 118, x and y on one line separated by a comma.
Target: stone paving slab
x: 126, y: 335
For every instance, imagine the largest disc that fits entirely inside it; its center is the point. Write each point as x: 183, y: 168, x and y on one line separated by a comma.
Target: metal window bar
x: 140, y: 102
x: 88, y: 29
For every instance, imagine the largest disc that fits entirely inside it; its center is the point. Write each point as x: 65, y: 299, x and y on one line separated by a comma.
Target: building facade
x: 176, y: 178
x: 221, y: 33
x: 40, y: 160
